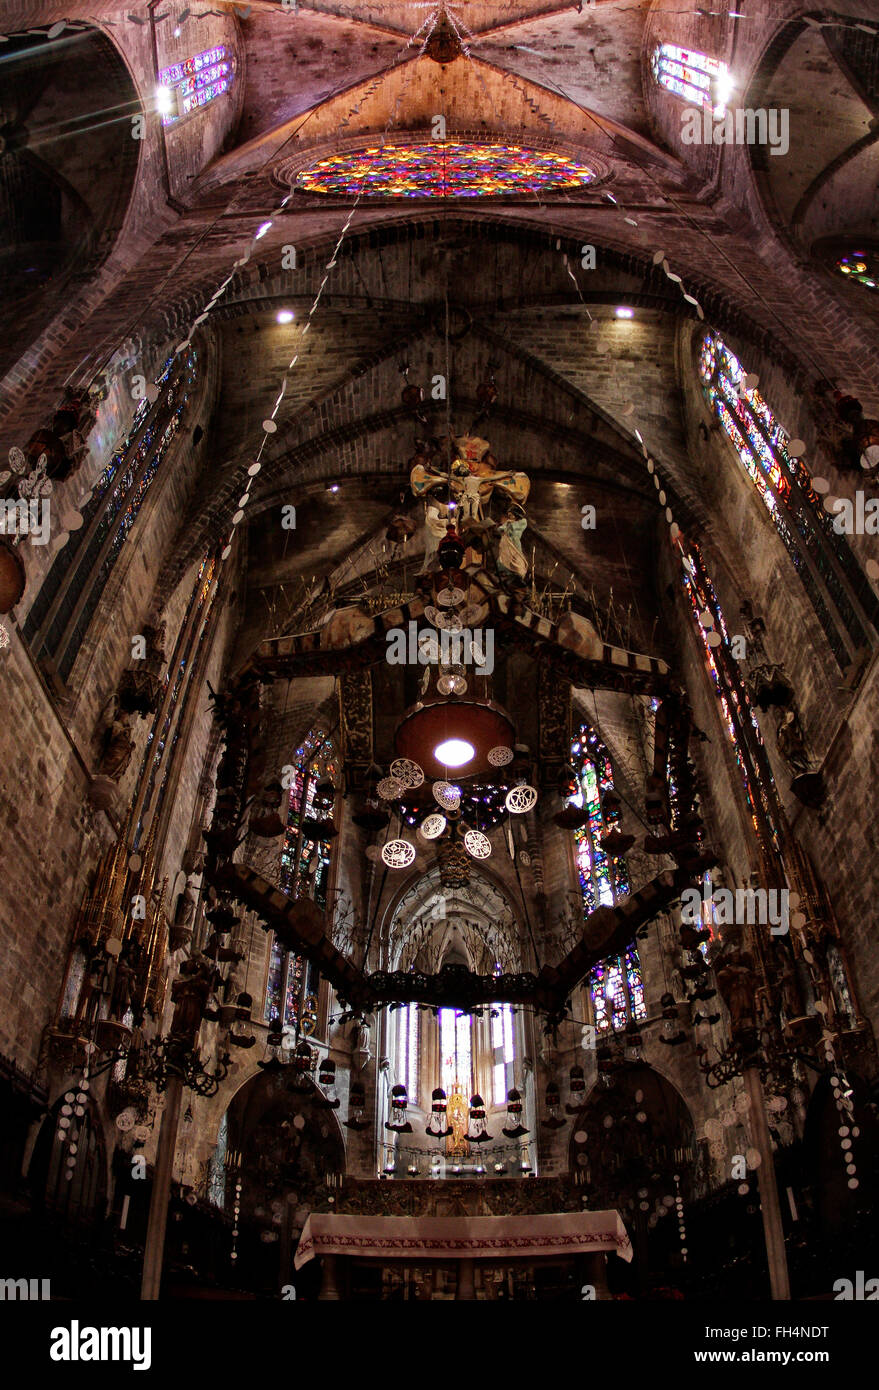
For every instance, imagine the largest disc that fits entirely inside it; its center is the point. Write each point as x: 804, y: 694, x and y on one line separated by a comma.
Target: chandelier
x: 457, y: 817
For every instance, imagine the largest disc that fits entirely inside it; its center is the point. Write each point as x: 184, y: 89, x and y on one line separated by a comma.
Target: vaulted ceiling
x: 461, y: 288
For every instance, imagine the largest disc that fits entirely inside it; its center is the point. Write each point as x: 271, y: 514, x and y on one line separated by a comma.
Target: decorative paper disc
x: 389, y: 788
x: 477, y: 844
x: 521, y: 799
x: 500, y: 756
x: 447, y: 598
x: 433, y: 826
x: 448, y: 795
x: 407, y: 772
x: 398, y: 854
x: 448, y: 622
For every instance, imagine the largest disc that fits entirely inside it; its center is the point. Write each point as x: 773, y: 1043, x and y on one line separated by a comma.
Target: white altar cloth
x: 462, y: 1237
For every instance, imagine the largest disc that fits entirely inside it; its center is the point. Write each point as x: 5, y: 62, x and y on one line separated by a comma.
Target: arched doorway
x: 288, y: 1143
x: 633, y: 1148
x: 68, y: 1171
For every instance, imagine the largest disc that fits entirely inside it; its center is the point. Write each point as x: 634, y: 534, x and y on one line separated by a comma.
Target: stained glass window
x: 407, y: 1051
x: 60, y: 614
x: 184, y: 87
x: 452, y: 170
x: 738, y: 715
x: 304, y: 872
x: 503, y: 1052
x: 862, y: 266
x: 615, y: 984
x: 822, y: 558
x: 694, y: 76
x: 456, y: 1060
x: 184, y: 658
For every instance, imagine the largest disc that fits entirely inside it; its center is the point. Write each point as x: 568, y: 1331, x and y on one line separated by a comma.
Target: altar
x: 464, y: 1240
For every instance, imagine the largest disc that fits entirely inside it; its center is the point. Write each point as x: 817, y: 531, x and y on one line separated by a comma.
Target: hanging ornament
x: 476, y: 1130
x: 450, y: 550
x: 553, y: 1118
x: 682, y: 1229
x: 390, y: 788
x: 672, y: 1033
x: 521, y: 799
x: 326, y: 1078
x: 432, y: 826
x: 407, y: 772
x: 514, y: 1128
x: 397, y: 1120
x: 448, y: 795
x: 356, y: 1107
x: 450, y: 597
x: 500, y: 756
x: 398, y: 854
x: 576, y: 1086
x: 452, y: 682
x: 477, y: 845
x: 438, y: 1126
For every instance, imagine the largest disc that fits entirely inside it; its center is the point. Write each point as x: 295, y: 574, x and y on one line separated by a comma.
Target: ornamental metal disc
x: 398, y: 854
x: 407, y: 772
x: 500, y: 756
x: 477, y: 844
x: 447, y: 598
x: 448, y: 795
x: 448, y: 622
x: 389, y: 788
x: 432, y: 615
x: 521, y: 799
x: 433, y: 826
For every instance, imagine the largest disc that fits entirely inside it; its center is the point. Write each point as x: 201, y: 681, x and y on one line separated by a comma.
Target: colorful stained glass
x: 444, y: 171
x: 407, y: 1051
x: 862, y: 266
x: 503, y: 1051
x: 193, y: 83
x: 456, y: 1051
x: 691, y: 75
x: 738, y: 715
x: 615, y: 984
x: 784, y: 485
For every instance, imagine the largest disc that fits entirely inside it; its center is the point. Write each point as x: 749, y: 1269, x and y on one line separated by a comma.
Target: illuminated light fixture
x: 452, y: 683
x: 285, y: 316
x: 454, y: 752
x: 623, y: 313
x: 334, y: 487
x: 261, y: 231
x: 166, y: 104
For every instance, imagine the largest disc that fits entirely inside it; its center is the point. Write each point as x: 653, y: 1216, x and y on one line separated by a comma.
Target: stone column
x: 770, y: 1211
x: 154, y: 1247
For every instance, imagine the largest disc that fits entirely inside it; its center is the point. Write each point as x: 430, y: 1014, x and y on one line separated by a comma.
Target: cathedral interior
x: 439, y: 650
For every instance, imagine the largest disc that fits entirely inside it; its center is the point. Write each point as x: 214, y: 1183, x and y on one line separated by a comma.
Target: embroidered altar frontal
x: 468, y: 1237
